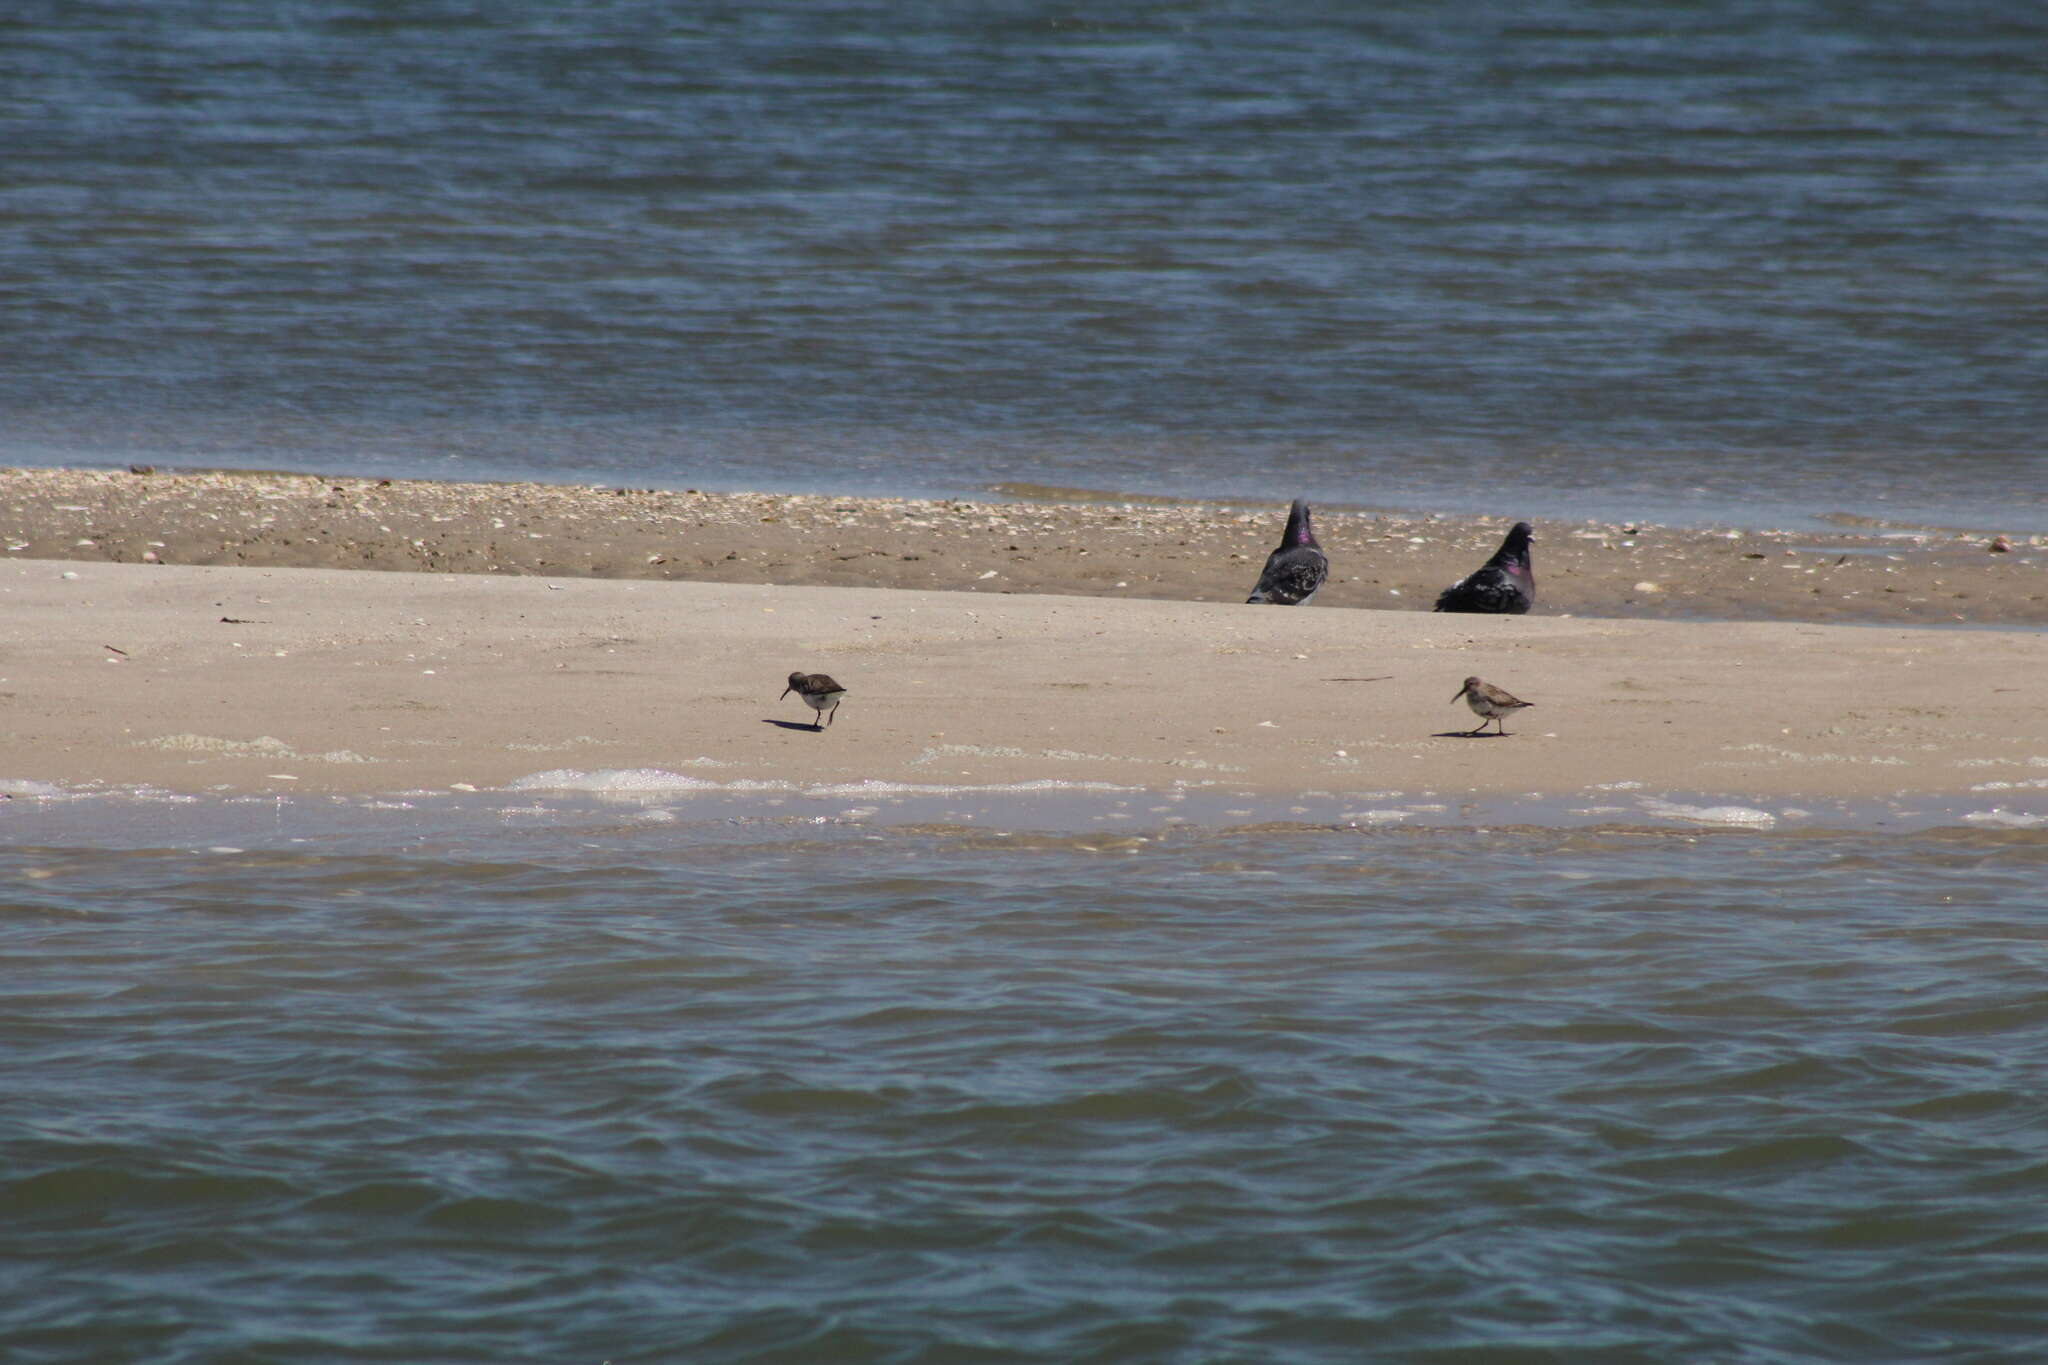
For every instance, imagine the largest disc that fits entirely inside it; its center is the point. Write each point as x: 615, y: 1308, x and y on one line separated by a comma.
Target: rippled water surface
x: 594, y: 1088
x: 1748, y: 263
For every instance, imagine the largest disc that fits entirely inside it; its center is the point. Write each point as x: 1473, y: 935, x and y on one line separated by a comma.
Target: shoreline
x: 1094, y: 816
x: 1162, y: 550
x: 328, y: 682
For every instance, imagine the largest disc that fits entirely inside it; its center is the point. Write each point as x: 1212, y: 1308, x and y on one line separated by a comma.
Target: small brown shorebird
x: 819, y: 693
x: 1489, y: 703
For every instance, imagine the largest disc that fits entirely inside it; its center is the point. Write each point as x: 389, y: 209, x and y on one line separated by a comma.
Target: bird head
x: 1299, y: 529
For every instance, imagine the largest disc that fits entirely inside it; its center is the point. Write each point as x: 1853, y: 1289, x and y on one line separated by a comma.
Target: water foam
x: 642, y: 782
x: 611, y: 782
x: 2006, y: 819
x: 1708, y: 815
x: 263, y: 746
x: 41, y: 791
x: 877, y: 787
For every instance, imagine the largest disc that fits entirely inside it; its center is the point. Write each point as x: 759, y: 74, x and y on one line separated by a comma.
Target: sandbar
x: 202, y: 679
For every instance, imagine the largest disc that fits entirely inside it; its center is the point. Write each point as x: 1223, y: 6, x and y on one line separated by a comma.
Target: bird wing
x: 1292, y: 575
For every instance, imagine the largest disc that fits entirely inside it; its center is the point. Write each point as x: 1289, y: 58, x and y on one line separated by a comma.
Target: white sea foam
x: 268, y: 746
x: 41, y: 791
x: 638, y: 783
x: 2006, y: 819
x: 1376, y: 817
x: 22, y: 789
x: 877, y: 787
x: 1708, y: 815
x: 610, y: 781
x: 263, y: 746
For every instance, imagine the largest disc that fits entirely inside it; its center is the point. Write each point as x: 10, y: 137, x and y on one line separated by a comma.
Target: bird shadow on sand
x: 792, y: 725
x: 1472, y: 734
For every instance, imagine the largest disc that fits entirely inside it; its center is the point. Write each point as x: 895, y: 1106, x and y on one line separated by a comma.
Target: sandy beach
x: 199, y: 678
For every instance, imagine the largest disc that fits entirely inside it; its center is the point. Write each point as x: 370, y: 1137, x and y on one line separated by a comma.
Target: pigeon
x: 1295, y: 570
x: 1489, y: 703
x: 1504, y: 586
x: 819, y: 693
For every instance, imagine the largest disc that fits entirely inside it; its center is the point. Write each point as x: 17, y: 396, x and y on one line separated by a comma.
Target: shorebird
x: 1489, y: 703
x: 819, y: 693
x: 1504, y: 586
x: 1295, y: 570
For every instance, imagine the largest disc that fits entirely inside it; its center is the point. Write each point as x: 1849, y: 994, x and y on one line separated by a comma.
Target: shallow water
x: 862, y: 1075
x: 1671, y: 262
x: 525, y: 1080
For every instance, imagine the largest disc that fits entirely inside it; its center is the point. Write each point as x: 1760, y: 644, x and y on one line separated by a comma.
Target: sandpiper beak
x: 1459, y: 693
x: 785, y: 692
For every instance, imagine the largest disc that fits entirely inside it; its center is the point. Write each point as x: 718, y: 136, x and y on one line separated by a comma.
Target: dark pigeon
x: 1504, y: 586
x: 1297, y: 568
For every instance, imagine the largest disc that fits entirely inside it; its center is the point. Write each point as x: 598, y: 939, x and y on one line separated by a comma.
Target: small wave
x: 610, y: 781
x: 661, y: 782
x: 42, y: 791
x: 876, y: 787
x: 2006, y: 819
x: 263, y: 746
x: 1708, y: 815
x: 53, y: 792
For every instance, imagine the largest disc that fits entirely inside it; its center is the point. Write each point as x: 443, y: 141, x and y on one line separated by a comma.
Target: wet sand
x: 1035, y: 541
x: 200, y: 679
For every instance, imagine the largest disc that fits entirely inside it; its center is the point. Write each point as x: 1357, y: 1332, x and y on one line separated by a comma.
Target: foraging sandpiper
x: 819, y: 693
x: 1489, y: 703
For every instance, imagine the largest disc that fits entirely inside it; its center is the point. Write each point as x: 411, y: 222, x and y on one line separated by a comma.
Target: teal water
x: 1122, y: 1077
x: 532, y: 1081
x: 1673, y: 262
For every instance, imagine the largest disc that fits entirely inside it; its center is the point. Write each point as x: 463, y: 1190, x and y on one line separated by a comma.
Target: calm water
x: 631, y: 1085
x: 1749, y: 263
x: 533, y: 1081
